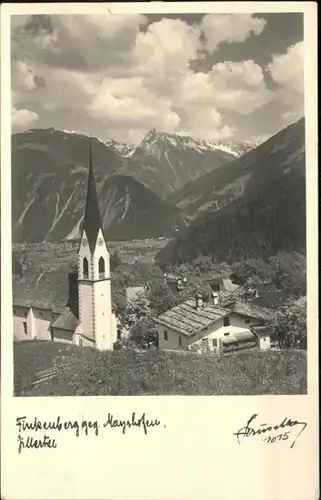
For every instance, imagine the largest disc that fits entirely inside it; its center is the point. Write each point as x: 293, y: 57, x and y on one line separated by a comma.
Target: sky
x: 218, y: 77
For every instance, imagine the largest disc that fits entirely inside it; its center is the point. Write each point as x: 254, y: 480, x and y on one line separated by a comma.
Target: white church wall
x: 23, y: 323
x: 86, y: 307
x: 103, y: 327
x: 61, y: 335
x: 42, y: 320
x: 114, y: 326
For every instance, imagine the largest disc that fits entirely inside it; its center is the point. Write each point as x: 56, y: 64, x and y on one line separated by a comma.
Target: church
x: 71, y: 307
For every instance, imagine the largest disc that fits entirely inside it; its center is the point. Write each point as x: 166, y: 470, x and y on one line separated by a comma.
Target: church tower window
x: 85, y: 268
x: 101, y: 268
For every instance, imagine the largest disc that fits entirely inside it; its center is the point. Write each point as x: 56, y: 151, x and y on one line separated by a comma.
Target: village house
x: 216, y: 326
x: 70, y: 307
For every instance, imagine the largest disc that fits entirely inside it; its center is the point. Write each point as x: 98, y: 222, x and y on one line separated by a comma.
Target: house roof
x: 134, y: 292
x: 186, y: 319
x: 249, y: 309
x: 92, y: 220
x: 265, y: 288
x: 66, y: 321
x: 262, y: 331
x: 239, y: 337
x: 270, y: 300
x: 227, y: 296
x: 44, y: 290
x: 229, y: 286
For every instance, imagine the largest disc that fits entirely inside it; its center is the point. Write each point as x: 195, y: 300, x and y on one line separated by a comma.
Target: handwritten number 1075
x: 280, y: 437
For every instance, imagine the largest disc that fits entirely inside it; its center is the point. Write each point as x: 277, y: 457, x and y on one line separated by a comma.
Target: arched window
x: 101, y: 268
x: 85, y: 268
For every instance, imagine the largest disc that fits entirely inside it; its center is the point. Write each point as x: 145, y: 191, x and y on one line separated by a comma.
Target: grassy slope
x: 154, y: 373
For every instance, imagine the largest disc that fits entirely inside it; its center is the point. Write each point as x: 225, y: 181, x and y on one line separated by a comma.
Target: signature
x: 281, y: 431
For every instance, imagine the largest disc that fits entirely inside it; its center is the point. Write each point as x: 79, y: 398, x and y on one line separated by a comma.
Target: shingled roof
x: 92, y: 220
x: 250, y: 310
x: 187, y: 319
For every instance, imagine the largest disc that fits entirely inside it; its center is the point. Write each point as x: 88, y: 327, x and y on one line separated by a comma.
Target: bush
x: 290, y: 326
x: 143, y: 334
x: 128, y: 372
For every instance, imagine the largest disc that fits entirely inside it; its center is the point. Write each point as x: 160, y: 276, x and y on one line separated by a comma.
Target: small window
x: 25, y: 328
x: 85, y: 268
x: 165, y: 335
x: 226, y: 321
x: 226, y: 334
x: 179, y: 340
x: 101, y: 268
x: 247, y: 321
x: 214, y: 343
x: 25, y: 315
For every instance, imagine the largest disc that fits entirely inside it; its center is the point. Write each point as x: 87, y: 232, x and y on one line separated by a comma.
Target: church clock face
x: 84, y: 242
x: 100, y: 242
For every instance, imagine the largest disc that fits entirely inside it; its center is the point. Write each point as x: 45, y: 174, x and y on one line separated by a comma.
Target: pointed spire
x: 92, y: 220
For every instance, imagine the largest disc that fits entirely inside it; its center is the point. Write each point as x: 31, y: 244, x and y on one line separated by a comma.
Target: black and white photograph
x: 158, y: 170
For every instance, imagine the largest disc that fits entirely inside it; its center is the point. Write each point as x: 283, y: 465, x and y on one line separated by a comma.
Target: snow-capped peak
x: 153, y: 140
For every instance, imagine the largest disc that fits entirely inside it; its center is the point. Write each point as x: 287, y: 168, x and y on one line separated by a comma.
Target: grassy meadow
x: 86, y: 372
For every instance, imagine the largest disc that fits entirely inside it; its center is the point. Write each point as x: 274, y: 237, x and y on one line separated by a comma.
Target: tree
x: 252, y: 271
x: 161, y: 298
x: 289, y: 273
x: 203, y: 263
x: 136, y: 309
x: 143, y: 334
x: 290, y: 326
x: 115, y: 260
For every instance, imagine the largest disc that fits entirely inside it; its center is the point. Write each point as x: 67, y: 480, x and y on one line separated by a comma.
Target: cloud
x: 23, y: 119
x: 287, y: 71
x: 236, y: 86
x: 229, y: 28
x: 166, y: 46
x: 124, y: 75
x: 206, y: 123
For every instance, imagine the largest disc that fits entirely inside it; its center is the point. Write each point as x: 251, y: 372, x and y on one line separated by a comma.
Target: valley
x: 61, y: 256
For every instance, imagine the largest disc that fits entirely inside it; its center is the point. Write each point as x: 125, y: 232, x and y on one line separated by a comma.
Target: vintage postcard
x: 159, y: 309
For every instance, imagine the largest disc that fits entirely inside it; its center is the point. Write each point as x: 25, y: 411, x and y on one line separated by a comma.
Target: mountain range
x: 49, y: 169
x: 230, y: 201
x: 253, y: 206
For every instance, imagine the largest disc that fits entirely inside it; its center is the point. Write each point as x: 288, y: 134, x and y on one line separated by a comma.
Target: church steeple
x: 92, y: 220
x: 97, y: 323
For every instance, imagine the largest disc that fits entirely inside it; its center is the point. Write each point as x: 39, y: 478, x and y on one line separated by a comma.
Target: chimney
x: 215, y: 298
x: 199, y: 300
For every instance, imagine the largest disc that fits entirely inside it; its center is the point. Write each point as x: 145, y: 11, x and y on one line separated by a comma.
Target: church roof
x: 92, y: 220
x: 66, y: 321
x: 44, y: 290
